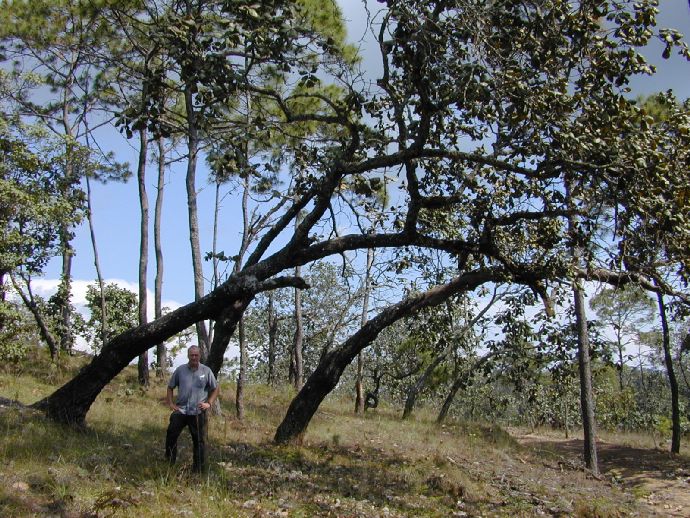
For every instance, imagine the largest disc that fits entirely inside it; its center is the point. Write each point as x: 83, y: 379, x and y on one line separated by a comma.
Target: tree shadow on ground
x: 661, y: 477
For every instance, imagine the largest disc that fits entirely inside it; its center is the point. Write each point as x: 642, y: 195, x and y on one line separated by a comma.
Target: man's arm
x: 211, y: 399
x: 169, y: 400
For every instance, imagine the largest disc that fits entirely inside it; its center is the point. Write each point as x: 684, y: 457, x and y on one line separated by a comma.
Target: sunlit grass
x: 348, y: 465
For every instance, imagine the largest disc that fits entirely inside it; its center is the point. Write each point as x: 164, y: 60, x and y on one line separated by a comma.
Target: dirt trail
x: 661, y: 480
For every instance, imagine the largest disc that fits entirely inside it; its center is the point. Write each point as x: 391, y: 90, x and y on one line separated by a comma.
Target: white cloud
x: 47, y: 287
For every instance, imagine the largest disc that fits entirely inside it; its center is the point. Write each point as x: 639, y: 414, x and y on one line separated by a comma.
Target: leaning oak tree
x: 474, y: 114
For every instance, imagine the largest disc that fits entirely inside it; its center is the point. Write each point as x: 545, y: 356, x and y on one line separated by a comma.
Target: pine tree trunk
x: 97, y: 264
x: 161, y: 351
x: 298, y: 336
x: 272, y: 339
x: 672, y: 381
x: 143, y: 363
x: 359, y: 382
x: 583, y: 357
x: 65, y: 292
x: 192, y: 210
x: 242, y: 374
x: 586, y: 394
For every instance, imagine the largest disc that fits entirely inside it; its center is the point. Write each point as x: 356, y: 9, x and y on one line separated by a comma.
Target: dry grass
x: 374, y: 465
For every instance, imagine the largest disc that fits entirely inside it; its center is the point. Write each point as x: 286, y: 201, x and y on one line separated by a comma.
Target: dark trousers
x: 197, y: 429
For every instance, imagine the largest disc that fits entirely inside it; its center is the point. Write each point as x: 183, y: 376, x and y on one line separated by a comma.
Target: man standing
x: 197, y: 390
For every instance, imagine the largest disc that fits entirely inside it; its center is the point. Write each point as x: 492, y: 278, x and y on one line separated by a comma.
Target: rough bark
x: 329, y: 370
x: 226, y: 324
x: 671, y: 374
x: 143, y: 363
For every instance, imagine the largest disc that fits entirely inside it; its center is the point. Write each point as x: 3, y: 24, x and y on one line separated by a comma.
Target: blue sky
x: 116, y: 212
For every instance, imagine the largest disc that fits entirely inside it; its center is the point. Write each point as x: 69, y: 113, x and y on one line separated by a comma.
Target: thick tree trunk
x: 327, y: 374
x: 71, y: 402
x: 161, y: 351
x: 226, y: 324
x: 586, y: 394
x: 672, y: 381
x: 143, y: 363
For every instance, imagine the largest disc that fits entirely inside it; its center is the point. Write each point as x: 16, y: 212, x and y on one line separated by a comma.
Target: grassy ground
x: 347, y: 466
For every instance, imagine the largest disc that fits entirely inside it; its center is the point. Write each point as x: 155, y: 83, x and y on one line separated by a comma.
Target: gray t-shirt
x: 193, y: 387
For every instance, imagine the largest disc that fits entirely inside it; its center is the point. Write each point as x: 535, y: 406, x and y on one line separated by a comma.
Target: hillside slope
x: 347, y: 466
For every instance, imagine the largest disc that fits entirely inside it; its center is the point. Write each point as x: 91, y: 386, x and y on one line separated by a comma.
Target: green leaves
x: 34, y: 204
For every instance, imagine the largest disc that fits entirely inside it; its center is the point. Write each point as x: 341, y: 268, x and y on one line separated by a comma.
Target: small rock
x: 249, y: 504
x: 20, y: 486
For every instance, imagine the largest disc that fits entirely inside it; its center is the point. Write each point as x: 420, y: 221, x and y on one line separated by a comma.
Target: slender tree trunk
x: 143, y: 364
x: 420, y: 384
x: 460, y: 382
x: 621, y: 385
x: 30, y: 303
x: 65, y: 287
x: 161, y: 351
x: 359, y: 382
x: 298, y: 338
x: 242, y: 339
x: 3, y: 298
x: 586, y: 394
x: 672, y: 381
x: 65, y: 293
x: 242, y: 375
x: 215, y: 279
x: 197, y: 265
x: 97, y: 264
x: 583, y: 357
x: 272, y: 339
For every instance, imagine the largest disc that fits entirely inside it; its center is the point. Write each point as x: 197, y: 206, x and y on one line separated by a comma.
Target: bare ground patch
x: 660, y: 480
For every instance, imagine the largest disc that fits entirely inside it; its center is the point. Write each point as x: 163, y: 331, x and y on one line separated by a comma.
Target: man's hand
x: 169, y: 400
x: 204, y: 405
